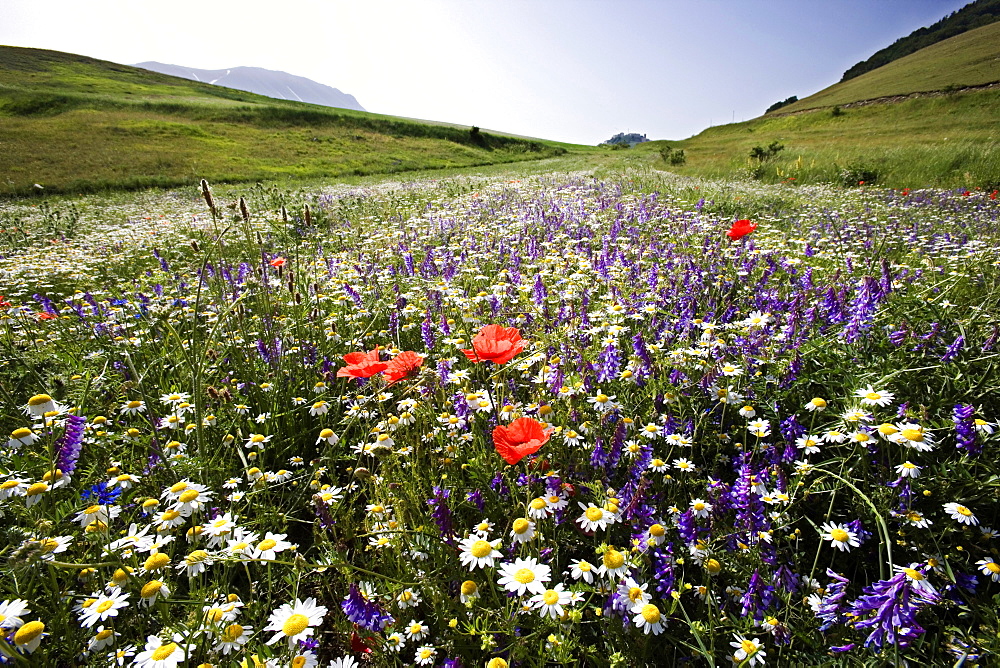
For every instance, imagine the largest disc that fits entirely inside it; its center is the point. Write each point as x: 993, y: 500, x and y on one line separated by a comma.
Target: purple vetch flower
x: 500, y: 487
x: 991, y: 340
x: 427, y: 332
x: 476, y: 498
x: 859, y: 530
x: 758, y: 597
x: 954, y: 349
x: 69, y: 444
x: 610, y: 362
x: 442, y: 514
x: 965, y: 429
x: 364, y: 612
x: 888, y: 610
x: 830, y: 607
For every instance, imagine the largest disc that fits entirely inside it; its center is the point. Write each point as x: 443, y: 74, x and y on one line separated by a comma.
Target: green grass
x: 969, y: 59
x: 75, y: 124
x: 949, y: 140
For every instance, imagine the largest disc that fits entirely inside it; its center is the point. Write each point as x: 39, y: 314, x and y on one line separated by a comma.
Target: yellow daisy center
x: 232, y: 632
x: 156, y: 561
x: 748, y: 646
x: 916, y: 435
x: 21, y: 433
x: 525, y: 575
x: 873, y: 396
x: 178, y: 487
x: 266, y: 544
x: 913, y: 574
x: 469, y: 587
x: 650, y: 613
x: 713, y: 566
x: 521, y: 525
x: 163, y: 651
x: 538, y: 504
x: 295, y: 625
x: 189, y: 496
x: 480, y: 549
x: 151, y: 588
x: 104, y: 606
x: 962, y: 510
x: 104, y: 635
x: 550, y: 597
x: 634, y: 594
x: 594, y: 514
x: 39, y: 399
x: 28, y: 632
x: 613, y: 559
x: 657, y: 530
x: 839, y: 535
x: 992, y: 567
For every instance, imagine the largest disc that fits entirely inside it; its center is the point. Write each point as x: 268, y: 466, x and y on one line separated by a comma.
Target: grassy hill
x: 72, y: 123
x: 944, y: 138
x: 969, y: 59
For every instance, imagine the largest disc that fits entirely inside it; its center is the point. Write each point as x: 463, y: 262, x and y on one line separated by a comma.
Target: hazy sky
x: 570, y: 70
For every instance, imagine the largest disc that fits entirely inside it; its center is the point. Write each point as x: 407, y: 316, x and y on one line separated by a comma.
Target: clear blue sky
x: 571, y: 70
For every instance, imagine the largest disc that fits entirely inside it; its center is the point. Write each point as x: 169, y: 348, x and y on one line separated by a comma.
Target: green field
x: 71, y: 123
x: 946, y: 138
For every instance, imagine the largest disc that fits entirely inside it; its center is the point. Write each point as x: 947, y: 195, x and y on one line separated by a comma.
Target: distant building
x: 632, y: 138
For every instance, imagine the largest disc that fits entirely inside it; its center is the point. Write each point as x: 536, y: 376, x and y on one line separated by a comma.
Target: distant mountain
x: 280, y: 85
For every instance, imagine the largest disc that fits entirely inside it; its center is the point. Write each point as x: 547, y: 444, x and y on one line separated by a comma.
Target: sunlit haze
x: 577, y: 71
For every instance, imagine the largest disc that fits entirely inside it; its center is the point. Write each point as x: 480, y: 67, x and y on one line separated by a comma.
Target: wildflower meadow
x: 618, y: 419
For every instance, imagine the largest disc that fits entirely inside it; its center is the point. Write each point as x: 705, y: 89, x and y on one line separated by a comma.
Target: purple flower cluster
x: 69, y: 444
x: 364, y: 612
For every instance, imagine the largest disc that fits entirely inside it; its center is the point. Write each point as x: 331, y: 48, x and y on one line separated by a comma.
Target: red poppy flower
x: 278, y: 262
x: 519, y: 439
x: 359, y: 644
x: 4, y: 303
x: 45, y: 316
x: 740, y: 229
x: 362, y: 365
x: 402, y: 365
x: 495, y: 344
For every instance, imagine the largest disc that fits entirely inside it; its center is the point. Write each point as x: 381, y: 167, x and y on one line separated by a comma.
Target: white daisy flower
x: 476, y: 552
x: 550, y: 602
x: 648, y: 618
x: 159, y: 654
x: 295, y: 622
x: 595, y: 518
x: 960, y: 513
x: 524, y: 575
x: 523, y: 530
x: 748, y: 650
x: 840, y: 535
x: 871, y: 397
x: 417, y: 630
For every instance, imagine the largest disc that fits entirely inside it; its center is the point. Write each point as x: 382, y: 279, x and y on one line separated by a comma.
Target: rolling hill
x: 70, y: 123
x: 930, y: 118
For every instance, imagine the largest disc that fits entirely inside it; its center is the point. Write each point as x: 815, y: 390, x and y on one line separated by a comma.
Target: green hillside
x: 946, y: 137
x: 969, y: 59
x: 973, y: 15
x: 73, y: 123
